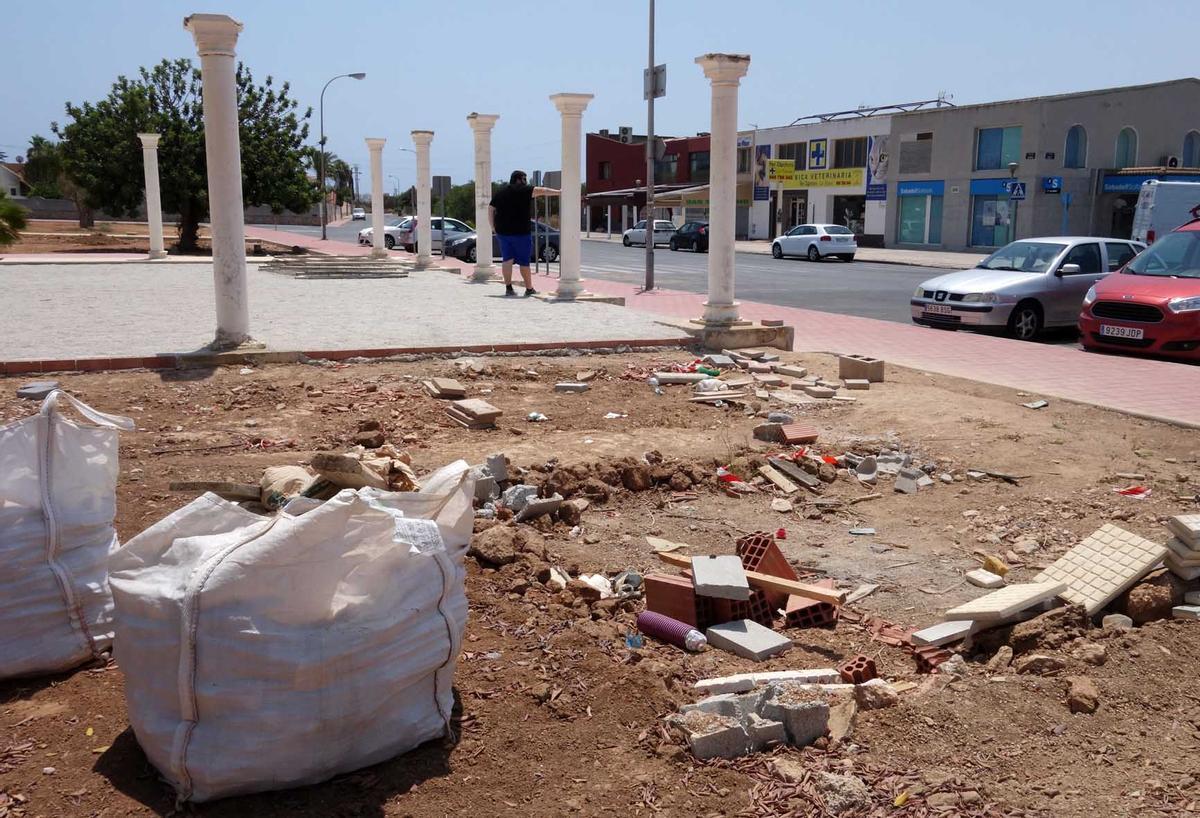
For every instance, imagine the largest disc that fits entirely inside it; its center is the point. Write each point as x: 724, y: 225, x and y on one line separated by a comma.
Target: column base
x: 483, y: 275
x: 155, y: 256
x: 379, y: 252
x: 226, y: 342
x: 740, y: 335
x: 582, y: 297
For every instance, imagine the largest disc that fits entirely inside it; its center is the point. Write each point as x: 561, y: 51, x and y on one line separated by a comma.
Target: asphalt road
x: 866, y: 289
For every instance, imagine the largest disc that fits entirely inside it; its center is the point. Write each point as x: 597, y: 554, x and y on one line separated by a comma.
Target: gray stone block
x: 538, y: 506
x: 722, y: 577
x: 719, y: 361
x: 36, y: 390
x: 906, y: 481
x: 764, y: 733
x: 518, y: 496
x: 713, y: 736
x: 805, y: 716
x: 748, y: 639
x: 857, y: 383
x: 485, y: 487
x: 791, y: 371
x: 498, y: 467
x: 1185, y: 612
x: 820, y: 391
x: 567, y: 386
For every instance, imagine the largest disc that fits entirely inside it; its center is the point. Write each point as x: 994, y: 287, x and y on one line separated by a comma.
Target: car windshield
x: 664, y: 226
x: 838, y: 230
x: 1023, y: 256
x: 1175, y: 254
x: 396, y: 222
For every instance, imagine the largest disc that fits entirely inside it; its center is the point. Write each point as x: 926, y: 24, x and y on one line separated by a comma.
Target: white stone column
x: 571, y: 106
x: 422, y: 139
x: 725, y: 72
x: 215, y: 36
x: 153, y: 197
x: 482, y: 125
x: 375, y: 146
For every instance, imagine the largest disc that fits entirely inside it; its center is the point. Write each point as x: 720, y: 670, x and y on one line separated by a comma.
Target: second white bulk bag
x: 263, y: 653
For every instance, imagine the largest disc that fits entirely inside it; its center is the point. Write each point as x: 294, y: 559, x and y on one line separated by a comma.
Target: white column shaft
x: 570, y: 251
x: 482, y: 125
x: 154, y: 218
x: 378, y: 248
x: 424, y: 199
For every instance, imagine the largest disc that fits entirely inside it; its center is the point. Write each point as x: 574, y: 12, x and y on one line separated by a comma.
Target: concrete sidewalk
x: 879, y: 255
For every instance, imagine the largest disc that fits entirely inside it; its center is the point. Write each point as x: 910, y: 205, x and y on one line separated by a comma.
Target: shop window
x: 666, y: 169
x: 1127, y: 148
x: 996, y: 148
x: 743, y: 160
x: 850, y: 153
x: 1191, y: 150
x: 991, y: 221
x: 920, y: 220
x: 606, y: 170
x: 797, y: 151
x: 698, y: 167
x: 1075, y: 154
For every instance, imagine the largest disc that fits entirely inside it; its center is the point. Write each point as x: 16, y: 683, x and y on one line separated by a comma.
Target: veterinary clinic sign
x: 846, y: 177
x: 780, y: 170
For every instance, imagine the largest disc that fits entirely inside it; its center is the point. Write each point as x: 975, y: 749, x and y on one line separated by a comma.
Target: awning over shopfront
x: 695, y: 196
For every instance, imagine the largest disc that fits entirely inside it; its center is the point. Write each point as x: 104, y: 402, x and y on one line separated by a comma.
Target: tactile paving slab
x: 1005, y: 602
x: 1181, y: 553
x: 1103, y: 566
x: 1187, y: 528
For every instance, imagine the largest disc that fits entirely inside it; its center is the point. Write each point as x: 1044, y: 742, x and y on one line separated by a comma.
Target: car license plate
x: 937, y: 309
x: 1121, y: 332
x: 843, y: 238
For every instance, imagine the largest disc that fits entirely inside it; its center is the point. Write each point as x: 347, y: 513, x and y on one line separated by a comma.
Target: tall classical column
x: 153, y: 197
x: 375, y: 146
x: 725, y: 72
x: 422, y: 139
x: 482, y: 125
x: 571, y: 106
x: 215, y: 36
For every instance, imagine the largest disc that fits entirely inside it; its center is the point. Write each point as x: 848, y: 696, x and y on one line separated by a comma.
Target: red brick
x: 674, y: 596
x: 795, y: 433
x: 929, y: 657
x: 801, y: 612
x: 758, y: 608
x: 61, y: 365
x: 858, y: 670
x: 760, y: 553
x: 22, y: 367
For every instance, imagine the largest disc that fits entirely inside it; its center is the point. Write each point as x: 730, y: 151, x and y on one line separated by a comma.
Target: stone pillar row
x: 154, y: 219
x: 422, y: 140
x: 482, y: 125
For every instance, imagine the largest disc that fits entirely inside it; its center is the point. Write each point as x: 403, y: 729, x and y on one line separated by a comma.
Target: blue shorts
x: 516, y: 249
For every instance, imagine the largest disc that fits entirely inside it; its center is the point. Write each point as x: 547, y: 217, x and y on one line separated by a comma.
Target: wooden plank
x: 778, y: 479
x: 793, y: 471
x: 221, y: 488
x: 768, y: 582
x: 711, y: 397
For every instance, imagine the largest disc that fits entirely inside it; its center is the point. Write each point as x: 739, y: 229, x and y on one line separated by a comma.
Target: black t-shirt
x: 512, y: 203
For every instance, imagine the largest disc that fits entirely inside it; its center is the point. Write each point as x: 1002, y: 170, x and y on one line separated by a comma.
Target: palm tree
x: 12, y: 220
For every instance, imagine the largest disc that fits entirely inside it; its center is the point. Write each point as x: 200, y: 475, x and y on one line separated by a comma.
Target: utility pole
x: 356, y: 184
x: 651, y: 91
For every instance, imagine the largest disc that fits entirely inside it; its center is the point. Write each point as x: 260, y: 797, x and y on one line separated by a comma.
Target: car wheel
x: 776, y: 250
x: 848, y: 258
x: 813, y: 253
x: 389, y: 242
x: 1025, y: 323
x: 625, y: 240
x: 472, y: 256
x: 702, y: 248
x: 674, y: 246
x: 549, y: 253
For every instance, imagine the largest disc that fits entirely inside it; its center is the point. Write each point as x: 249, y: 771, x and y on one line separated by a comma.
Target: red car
x: 1151, y: 306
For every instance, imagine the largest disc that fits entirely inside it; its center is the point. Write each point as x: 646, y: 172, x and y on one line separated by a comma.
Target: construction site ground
x: 557, y: 716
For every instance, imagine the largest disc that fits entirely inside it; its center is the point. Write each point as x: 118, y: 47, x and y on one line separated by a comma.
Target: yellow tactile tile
x: 1005, y: 602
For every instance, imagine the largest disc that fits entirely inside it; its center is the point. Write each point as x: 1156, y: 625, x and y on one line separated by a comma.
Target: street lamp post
x: 358, y: 75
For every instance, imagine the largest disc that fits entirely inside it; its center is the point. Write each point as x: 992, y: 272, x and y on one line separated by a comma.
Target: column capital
x: 481, y: 122
x: 724, y: 69
x: 422, y: 139
x: 375, y: 143
x: 571, y: 104
x: 215, y: 34
x: 149, y: 140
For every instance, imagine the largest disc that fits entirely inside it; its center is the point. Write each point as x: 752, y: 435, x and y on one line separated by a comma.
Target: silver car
x: 1022, y: 288
x: 816, y: 241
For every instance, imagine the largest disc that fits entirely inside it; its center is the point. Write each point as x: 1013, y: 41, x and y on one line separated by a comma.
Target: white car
x: 816, y: 241
x: 358, y: 214
x: 663, y: 230
x: 391, y: 233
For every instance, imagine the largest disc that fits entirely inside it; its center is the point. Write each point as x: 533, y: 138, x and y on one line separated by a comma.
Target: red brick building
x: 616, y: 169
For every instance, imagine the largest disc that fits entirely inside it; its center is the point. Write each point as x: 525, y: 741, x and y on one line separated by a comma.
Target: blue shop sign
x: 877, y: 193
x: 1052, y: 184
x: 990, y: 187
x: 1133, y: 184
x: 937, y: 188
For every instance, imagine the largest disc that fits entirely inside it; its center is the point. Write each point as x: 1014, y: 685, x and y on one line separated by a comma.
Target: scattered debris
x: 1037, y: 404
x: 36, y: 390
x: 473, y: 413
x: 984, y: 578
x: 1103, y: 566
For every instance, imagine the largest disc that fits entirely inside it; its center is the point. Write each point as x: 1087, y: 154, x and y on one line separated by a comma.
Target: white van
x: 1163, y: 206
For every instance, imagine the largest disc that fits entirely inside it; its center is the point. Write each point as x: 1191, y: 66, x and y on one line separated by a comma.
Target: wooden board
x: 221, y: 488
x: 793, y: 471
x: 768, y: 582
x: 787, y: 486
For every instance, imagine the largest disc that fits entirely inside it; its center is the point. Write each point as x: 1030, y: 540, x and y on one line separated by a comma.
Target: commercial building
x: 979, y: 176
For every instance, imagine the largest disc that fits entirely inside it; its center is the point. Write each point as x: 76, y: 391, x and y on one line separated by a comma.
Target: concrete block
x: 1187, y: 528
x: 538, y: 506
x: 764, y: 733
x: 819, y: 391
x: 724, y: 704
x: 944, y: 633
x: 713, y: 736
x: 744, y: 682
x: 985, y: 579
x: 497, y: 466
x: 36, y: 390
x: 568, y: 386
x: 805, y: 716
x: 721, y: 576
x: 1180, y: 570
x: 859, y: 367
x: 769, y: 381
x: 485, y: 487
x: 674, y: 378
x: 747, y: 639
x: 1185, y: 612
x: 518, y: 496
x: 906, y: 481
x: 1191, y: 598
x: 719, y: 361
x: 857, y: 383
x: 791, y: 371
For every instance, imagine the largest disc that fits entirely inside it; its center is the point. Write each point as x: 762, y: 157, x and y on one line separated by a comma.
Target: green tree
x: 102, y: 155
x: 460, y: 203
x: 12, y: 220
x: 44, y: 168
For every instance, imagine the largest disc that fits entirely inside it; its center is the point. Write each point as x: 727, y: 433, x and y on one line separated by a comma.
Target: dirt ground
x: 49, y: 236
x: 558, y: 717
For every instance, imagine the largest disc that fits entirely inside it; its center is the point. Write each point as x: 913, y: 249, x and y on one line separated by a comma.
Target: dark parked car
x: 692, y: 236
x: 463, y: 247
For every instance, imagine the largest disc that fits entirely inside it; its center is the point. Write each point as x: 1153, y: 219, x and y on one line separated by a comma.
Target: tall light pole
x: 358, y: 75
x: 650, y: 159
x: 395, y: 185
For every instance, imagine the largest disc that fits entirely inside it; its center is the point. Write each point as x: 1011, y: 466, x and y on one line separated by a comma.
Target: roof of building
x: 1071, y: 94
x: 17, y: 169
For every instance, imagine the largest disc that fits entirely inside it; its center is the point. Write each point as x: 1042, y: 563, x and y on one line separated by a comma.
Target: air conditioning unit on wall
x: 1170, y: 162
x: 626, y: 134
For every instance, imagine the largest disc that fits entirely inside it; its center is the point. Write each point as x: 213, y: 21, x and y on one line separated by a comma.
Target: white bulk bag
x: 58, y: 481
x: 264, y: 653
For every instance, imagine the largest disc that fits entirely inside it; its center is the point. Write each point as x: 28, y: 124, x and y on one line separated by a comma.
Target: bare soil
x: 49, y: 236
x: 558, y: 717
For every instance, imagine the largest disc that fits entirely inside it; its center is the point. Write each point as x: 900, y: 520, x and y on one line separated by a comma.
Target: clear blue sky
x: 425, y: 69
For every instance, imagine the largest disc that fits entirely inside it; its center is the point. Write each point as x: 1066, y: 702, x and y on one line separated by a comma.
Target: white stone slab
x: 1103, y: 566
x: 1187, y: 528
x: 944, y: 633
x: 1186, y: 612
x: 747, y: 639
x: 1181, y: 554
x: 1192, y: 598
x: 1006, y: 602
x: 985, y: 579
x: 722, y: 577
x: 742, y: 682
x: 1181, y: 571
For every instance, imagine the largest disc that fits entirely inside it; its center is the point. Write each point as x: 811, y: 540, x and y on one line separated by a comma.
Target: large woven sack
x: 58, y: 480
x: 263, y: 653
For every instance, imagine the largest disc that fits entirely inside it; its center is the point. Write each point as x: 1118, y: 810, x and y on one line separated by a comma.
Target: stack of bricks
x: 757, y: 607
x: 801, y: 612
x: 674, y: 596
x: 760, y: 554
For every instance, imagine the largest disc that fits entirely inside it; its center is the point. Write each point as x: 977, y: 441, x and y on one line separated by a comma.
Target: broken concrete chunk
x: 857, y: 383
x: 769, y: 432
x: 804, y: 715
x: 719, y: 361
x: 713, y: 736
x: 497, y: 466
x: 518, y: 496
x: 672, y: 378
x: 984, y: 578
x: 537, y: 506
x: 875, y: 694
x: 819, y: 391
x: 944, y: 633
x: 748, y: 639
x: 906, y: 480
x: 1082, y: 696
x: 867, y: 470
x: 722, y: 577
x: 764, y: 733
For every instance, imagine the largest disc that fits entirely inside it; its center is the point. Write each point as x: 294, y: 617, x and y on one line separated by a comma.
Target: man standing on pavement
x: 510, y: 219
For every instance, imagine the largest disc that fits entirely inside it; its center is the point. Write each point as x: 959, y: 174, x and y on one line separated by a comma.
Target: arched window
x: 1126, y: 149
x: 1191, y: 150
x: 1075, y: 156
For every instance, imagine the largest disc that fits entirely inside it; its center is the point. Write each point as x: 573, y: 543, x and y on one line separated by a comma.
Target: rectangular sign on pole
x: 654, y: 84
x: 1016, y: 191
x: 441, y: 186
